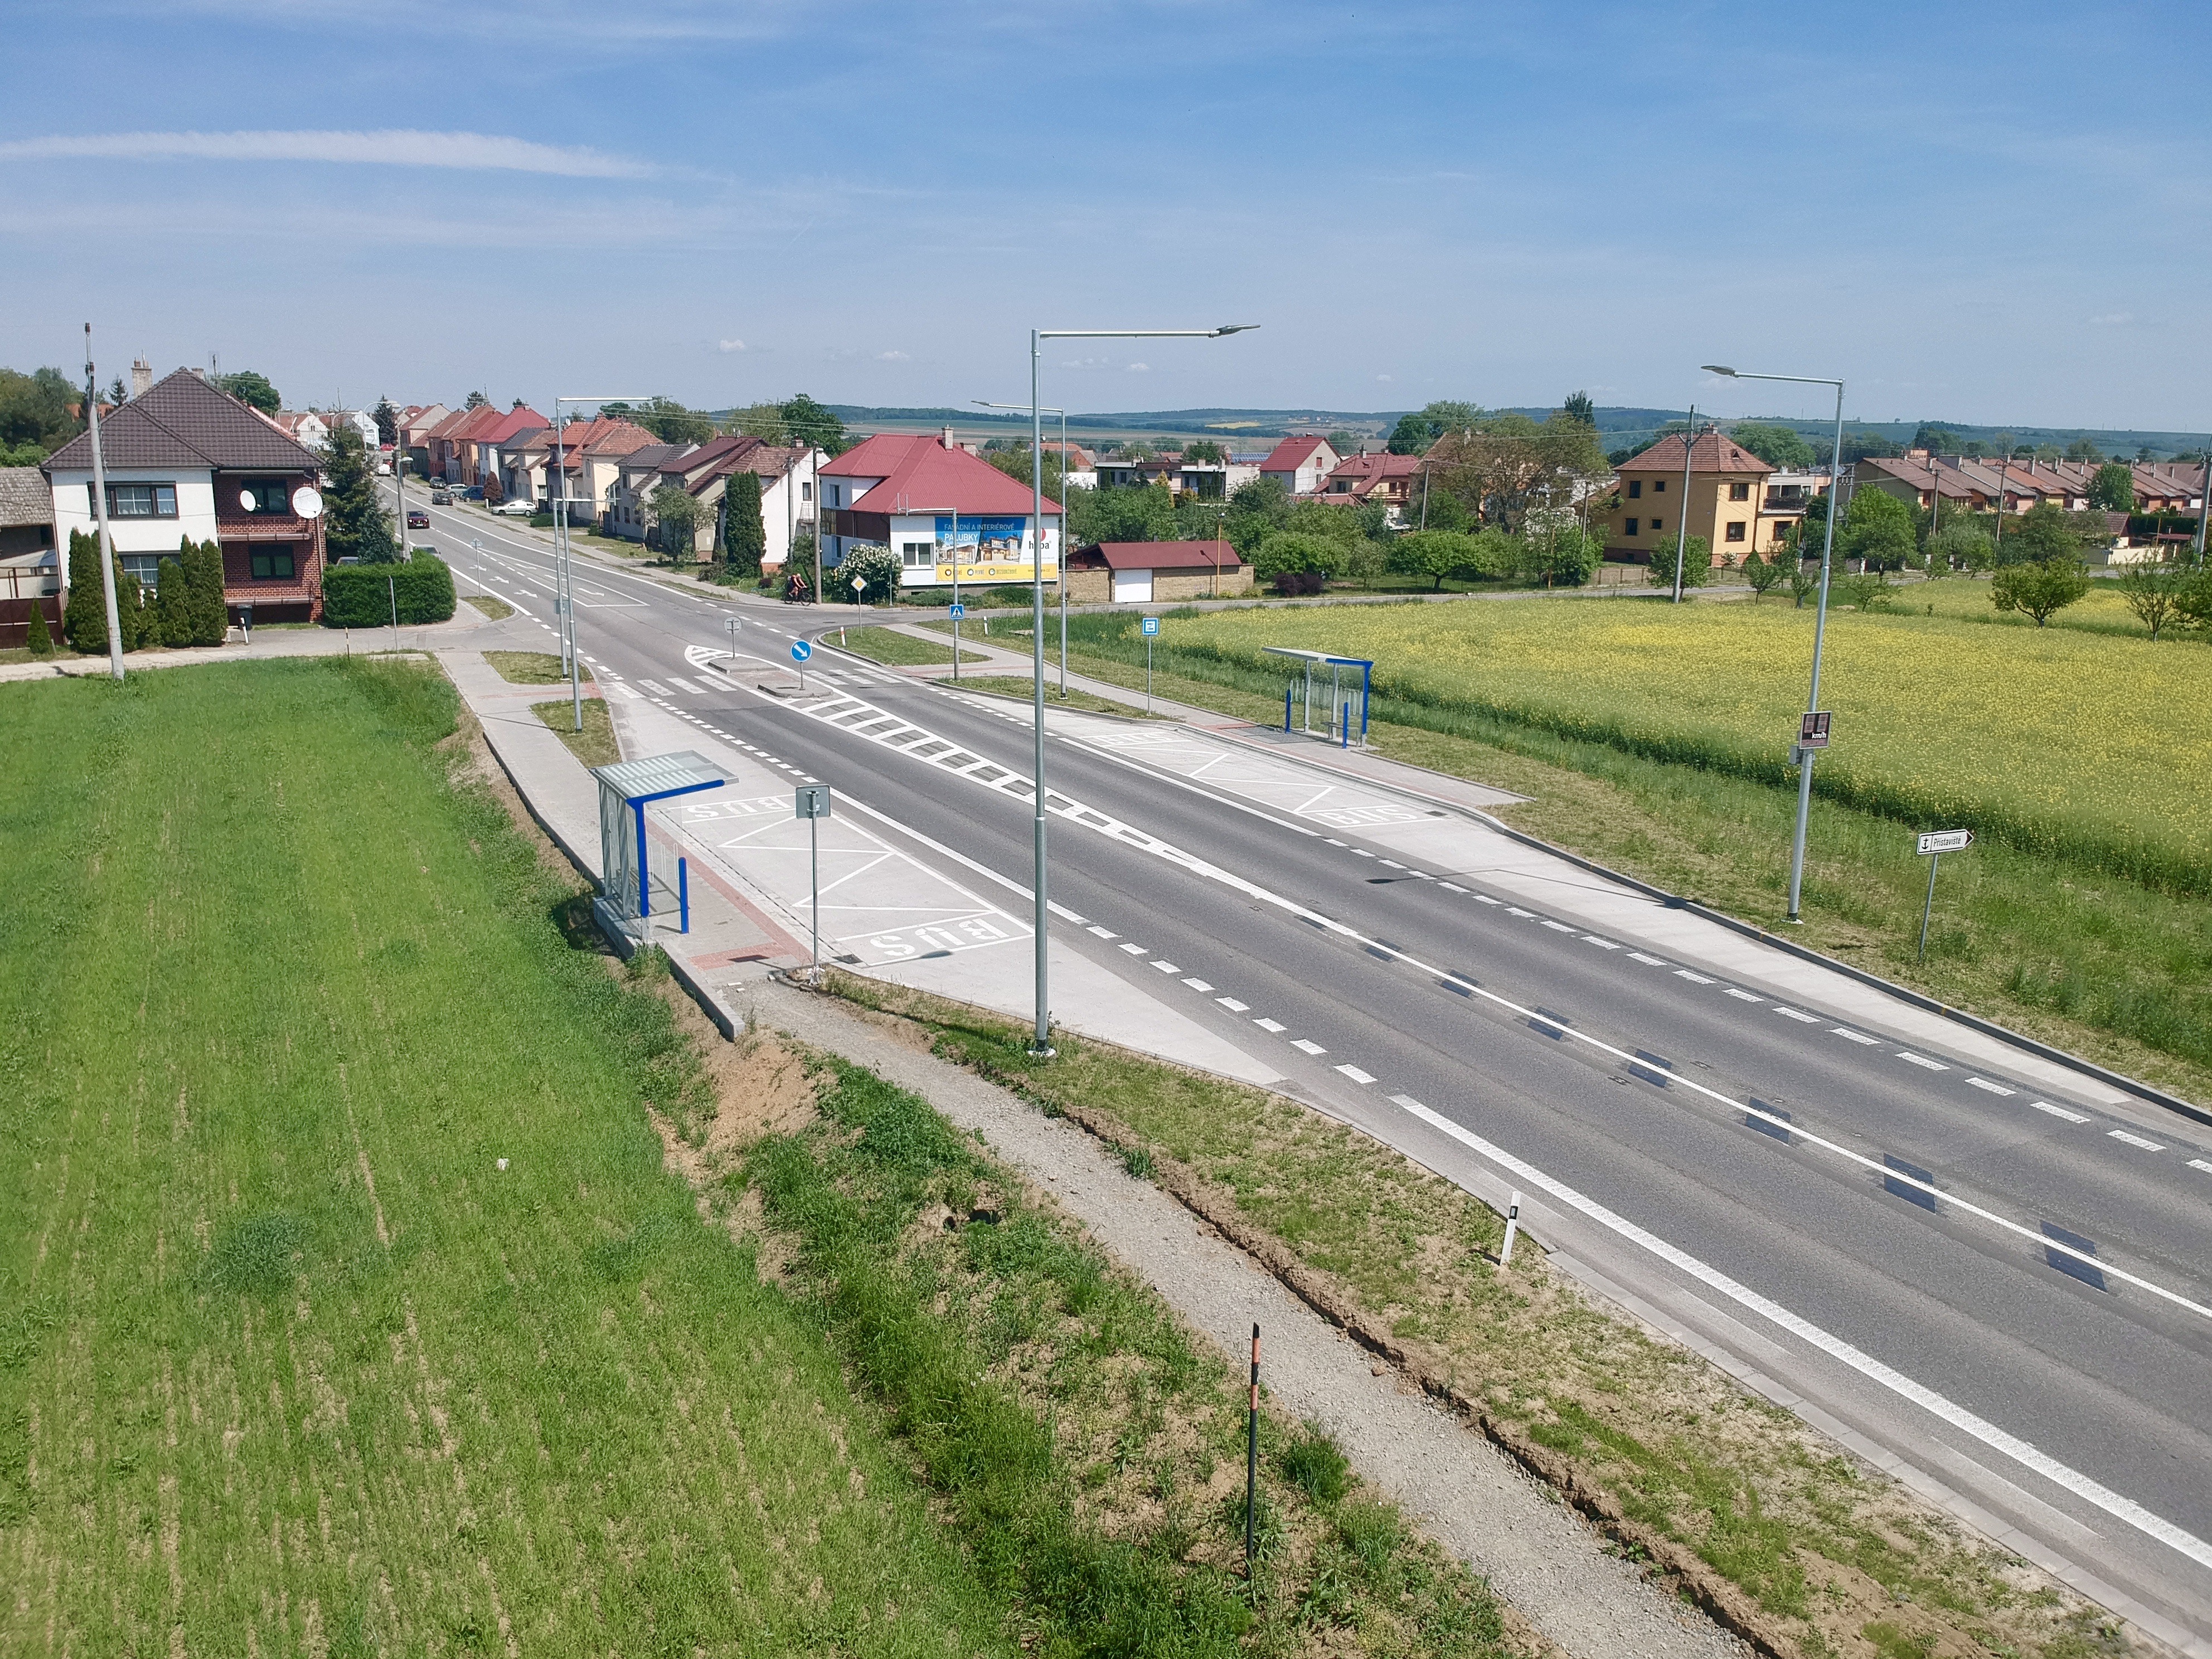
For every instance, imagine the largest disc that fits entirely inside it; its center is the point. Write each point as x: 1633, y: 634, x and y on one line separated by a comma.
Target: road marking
x: 712, y: 686
x: 1167, y: 967
x: 1308, y: 1045
x: 1515, y: 910
x: 1333, y: 841
x: 1453, y: 887
x: 1698, y: 979
x: 1136, y: 949
x: 1650, y: 961
x: 1393, y: 864
x: 1797, y: 1014
x: 1361, y: 852
x: 628, y: 691
x: 2127, y: 1140
x: 1993, y: 1088
x: 1911, y: 1058
x: 1748, y: 996
x: 2199, y: 1164
x: 1602, y: 943
x: 1485, y: 899
x: 655, y: 687
x: 1355, y: 1074
x: 2020, y: 1451
x: 1557, y: 927
x: 1233, y: 1006
x: 1198, y: 985
x: 1105, y: 933
x: 1268, y: 1025
x: 1856, y: 1037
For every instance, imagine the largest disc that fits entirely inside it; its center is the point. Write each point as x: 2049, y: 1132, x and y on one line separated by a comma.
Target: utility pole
x: 99, y: 512
x: 1682, y: 521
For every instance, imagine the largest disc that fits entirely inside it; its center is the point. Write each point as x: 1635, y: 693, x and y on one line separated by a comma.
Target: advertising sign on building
x: 989, y: 548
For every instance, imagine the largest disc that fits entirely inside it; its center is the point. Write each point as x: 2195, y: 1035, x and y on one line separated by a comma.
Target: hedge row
x: 363, y: 595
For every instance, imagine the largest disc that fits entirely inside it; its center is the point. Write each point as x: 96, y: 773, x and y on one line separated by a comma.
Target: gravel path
x: 1538, y: 1553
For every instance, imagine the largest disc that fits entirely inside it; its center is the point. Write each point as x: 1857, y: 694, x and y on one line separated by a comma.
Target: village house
x: 947, y: 514
x: 1726, y: 495
x: 1148, y: 572
x: 1300, y: 465
x: 30, y: 574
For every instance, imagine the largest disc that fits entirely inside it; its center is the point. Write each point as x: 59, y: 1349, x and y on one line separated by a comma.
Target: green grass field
x: 288, y: 1362
x: 898, y: 650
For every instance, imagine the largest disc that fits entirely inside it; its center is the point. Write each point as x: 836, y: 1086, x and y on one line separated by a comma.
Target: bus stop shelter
x: 626, y: 789
x: 1335, y: 678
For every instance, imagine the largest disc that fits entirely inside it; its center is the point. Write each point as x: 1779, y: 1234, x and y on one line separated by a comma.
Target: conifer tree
x: 40, y: 642
x: 744, y: 538
x: 357, y: 525
x: 172, y: 612
x: 84, y: 623
x: 203, y: 563
x: 133, y: 616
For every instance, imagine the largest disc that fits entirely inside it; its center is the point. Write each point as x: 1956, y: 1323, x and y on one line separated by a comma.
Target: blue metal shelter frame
x: 1338, y: 725
x: 626, y: 789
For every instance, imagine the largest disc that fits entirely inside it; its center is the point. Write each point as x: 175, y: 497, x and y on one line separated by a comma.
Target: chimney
x: 142, y: 377
x: 947, y: 439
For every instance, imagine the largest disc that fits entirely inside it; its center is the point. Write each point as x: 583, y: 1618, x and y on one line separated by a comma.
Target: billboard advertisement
x: 988, y: 547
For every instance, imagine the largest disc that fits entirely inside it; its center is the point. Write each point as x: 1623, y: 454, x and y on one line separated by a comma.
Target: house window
x: 805, y: 492
x: 270, y: 495
x: 1636, y: 489
x: 135, y: 501
x: 917, y: 556
x: 1658, y: 486
x: 144, y: 568
x: 272, y: 564
x: 1631, y: 526
x: 1739, y: 492
x: 1735, y: 530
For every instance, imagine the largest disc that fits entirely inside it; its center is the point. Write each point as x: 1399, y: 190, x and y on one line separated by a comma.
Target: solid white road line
x: 1998, y: 1439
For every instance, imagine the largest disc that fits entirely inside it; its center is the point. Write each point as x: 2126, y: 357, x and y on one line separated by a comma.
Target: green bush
x: 363, y: 595
x: 203, y: 563
x: 171, y: 620
x: 40, y: 640
x: 84, y: 623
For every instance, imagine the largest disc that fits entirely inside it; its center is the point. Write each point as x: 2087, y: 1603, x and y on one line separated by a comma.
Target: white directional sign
x: 800, y: 651
x: 1946, y: 841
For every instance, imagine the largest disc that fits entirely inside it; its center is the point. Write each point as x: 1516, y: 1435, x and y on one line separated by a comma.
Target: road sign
x: 812, y: 801
x: 959, y: 610
x: 1813, y: 730
x: 1151, y: 626
x: 1947, y: 841
x: 800, y: 651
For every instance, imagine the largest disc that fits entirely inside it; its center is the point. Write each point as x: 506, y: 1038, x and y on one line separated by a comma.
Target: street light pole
x: 1819, y: 622
x: 1041, y: 1043
x: 1682, y: 513
x: 1060, y: 570
x: 100, y: 512
x: 564, y: 567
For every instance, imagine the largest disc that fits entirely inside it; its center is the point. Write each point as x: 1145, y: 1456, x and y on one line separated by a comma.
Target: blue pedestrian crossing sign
x: 800, y: 651
x: 959, y: 610
x: 1151, y: 626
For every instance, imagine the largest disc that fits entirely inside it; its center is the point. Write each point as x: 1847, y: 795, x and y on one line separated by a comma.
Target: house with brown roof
x: 787, y: 476
x: 30, y: 574
x: 1150, y: 573
x: 1385, y: 479
x: 1726, y: 489
x: 943, y: 511
x: 186, y: 460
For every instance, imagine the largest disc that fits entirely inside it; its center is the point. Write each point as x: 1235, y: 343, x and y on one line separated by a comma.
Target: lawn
x: 898, y: 650
x: 530, y: 667
x: 345, y: 1305
x: 2054, y: 740
x: 594, y: 745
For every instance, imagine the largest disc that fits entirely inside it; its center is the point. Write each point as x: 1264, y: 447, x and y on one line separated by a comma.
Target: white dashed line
x: 1515, y: 910
x: 1796, y: 1013
x: 1485, y: 899
x: 1453, y: 887
x: 1602, y: 943
x: 1393, y: 864
x: 1355, y: 1074
x: 1361, y: 852
x: 1911, y: 1058
x: 1268, y: 1025
x: 1557, y: 927
x: 1695, y: 979
x: 1650, y: 962
x: 1136, y: 949
x: 1308, y: 1045
x: 1993, y: 1088
x: 1166, y: 967
x: 1333, y: 841
x: 1233, y: 1006
x: 2199, y: 1164
x: 2127, y: 1140
x: 1747, y: 996
x: 1104, y: 933
x: 1855, y: 1037
x: 2058, y: 1111
x: 1198, y: 985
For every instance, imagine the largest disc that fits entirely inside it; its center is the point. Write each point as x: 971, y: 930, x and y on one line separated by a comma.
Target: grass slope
x: 898, y: 650
x: 287, y: 1364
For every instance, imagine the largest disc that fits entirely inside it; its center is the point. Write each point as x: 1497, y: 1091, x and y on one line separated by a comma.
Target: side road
x: 1541, y: 1555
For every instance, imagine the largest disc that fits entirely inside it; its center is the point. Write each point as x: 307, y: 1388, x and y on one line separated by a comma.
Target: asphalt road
x: 2052, y: 1393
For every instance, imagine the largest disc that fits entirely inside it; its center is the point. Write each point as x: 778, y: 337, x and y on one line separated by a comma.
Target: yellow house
x: 1727, y: 486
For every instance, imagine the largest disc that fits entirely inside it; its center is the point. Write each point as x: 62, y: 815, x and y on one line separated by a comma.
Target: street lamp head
x: 1716, y: 368
x: 1234, y: 328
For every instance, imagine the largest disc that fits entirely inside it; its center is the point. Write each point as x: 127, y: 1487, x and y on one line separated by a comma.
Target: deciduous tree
x: 1779, y: 446
x: 2154, y: 592
x: 251, y: 387
x: 1697, y: 563
x: 675, y: 522
x: 2040, y: 590
x: 807, y: 422
x: 1435, y: 556
x: 1761, y: 573
x: 1877, y: 531
x: 2113, y: 488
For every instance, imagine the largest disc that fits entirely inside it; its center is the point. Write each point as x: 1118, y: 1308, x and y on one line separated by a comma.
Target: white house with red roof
x: 932, y: 502
x: 1300, y: 464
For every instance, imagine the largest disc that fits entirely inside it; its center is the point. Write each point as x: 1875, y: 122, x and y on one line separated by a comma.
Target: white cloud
x: 2112, y: 318
x: 404, y: 147
x: 1386, y: 378
x: 891, y: 357
x: 729, y: 345
x: 1140, y: 369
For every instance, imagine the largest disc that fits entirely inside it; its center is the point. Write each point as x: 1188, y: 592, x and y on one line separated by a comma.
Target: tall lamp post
x: 1820, y: 617
x: 1061, y: 569
x: 564, y: 569
x: 100, y: 514
x: 1041, y: 1043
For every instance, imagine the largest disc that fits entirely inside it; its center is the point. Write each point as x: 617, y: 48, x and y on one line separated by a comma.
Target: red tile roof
x: 1292, y: 453
x: 1163, y: 555
x: 1713, y: 452
x: 919, y: 474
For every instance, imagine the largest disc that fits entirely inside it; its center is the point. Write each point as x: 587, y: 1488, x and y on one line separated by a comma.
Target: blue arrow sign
x: 800, y: 651
x: 959, y: 612
x: 1151, y: 626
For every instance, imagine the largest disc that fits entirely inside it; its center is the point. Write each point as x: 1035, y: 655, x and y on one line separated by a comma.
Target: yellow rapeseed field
x: 2087, y: 745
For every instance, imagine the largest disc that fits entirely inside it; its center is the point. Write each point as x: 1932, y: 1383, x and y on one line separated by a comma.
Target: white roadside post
x: 1820, y: 617
x: 1512, y: 1229
x: 1932, y: 847
x: 811, y: 803
x: 1041, y: 1043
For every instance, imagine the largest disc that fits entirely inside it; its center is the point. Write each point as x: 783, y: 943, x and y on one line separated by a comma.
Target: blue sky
x: 1983, y: 214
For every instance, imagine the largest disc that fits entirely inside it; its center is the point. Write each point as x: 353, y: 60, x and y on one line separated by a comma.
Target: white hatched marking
x: 2058, y: 1111
x: 1355, y: 1074
x: 1993, y: 1088
x: 2127, y: 1140
x: 1233, y: 1006
x: 1309, y: 1045
x: 1268, y: 1025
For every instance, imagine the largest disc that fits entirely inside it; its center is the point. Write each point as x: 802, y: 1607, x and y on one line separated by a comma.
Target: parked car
x: 473, y: 493
x: 515, y: 509
x: 442, y: 498
x: 416, y: 519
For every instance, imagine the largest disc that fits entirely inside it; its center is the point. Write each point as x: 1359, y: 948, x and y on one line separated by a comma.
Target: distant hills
x: 1617, y: 425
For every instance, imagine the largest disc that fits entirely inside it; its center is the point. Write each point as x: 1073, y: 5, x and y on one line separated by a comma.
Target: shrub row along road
x: 2002, y: 1291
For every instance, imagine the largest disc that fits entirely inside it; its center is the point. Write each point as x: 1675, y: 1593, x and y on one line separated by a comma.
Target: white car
x: 516, y: 510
